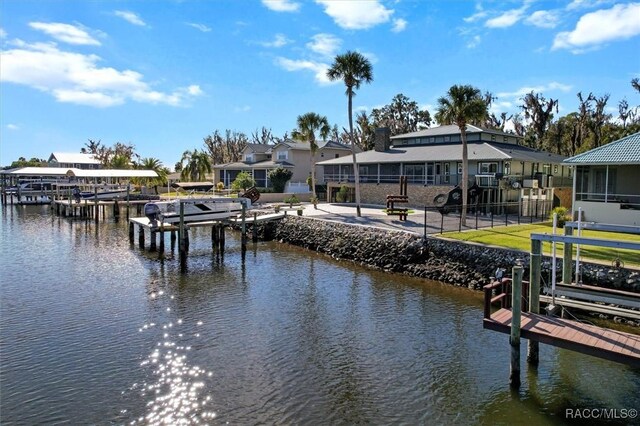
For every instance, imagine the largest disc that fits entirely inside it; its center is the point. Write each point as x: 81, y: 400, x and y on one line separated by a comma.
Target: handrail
x: 504, y: 296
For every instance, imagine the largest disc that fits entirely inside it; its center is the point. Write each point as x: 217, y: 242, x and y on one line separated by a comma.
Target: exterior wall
x: 302, y: 163
x: 608, y: 213
x: 419, y: 195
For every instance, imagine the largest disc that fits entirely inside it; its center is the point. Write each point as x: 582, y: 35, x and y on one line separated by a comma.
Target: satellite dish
x: 515, y: 185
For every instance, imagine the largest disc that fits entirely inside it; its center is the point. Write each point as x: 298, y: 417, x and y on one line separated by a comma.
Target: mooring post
x: 131, y: 232
x: 95, y: 203
x: 243, y: 238
x: 128, y: 186
x: 514, y: 338
x: 254, y: 229
x: 222, y: 237
x: 152, y: 241
x: 181, y: 240
x: 173, y: 239
x: 534, y: 293
x: 116, y: 210
x: 566, y: 257
x: 161, y: 239
x: 424, y: 229
x: 186, y: 239
x: 215, y: 233
x: 141, y: 236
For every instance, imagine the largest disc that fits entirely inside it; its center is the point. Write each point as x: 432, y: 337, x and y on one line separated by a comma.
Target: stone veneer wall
x: 565, y: 195
x: 419, y: 195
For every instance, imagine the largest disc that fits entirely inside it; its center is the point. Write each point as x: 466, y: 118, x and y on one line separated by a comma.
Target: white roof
x: 73, y: 157
x: 63, y: 171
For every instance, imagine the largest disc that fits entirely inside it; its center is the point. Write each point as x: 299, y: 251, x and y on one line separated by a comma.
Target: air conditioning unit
x: 530, y: 183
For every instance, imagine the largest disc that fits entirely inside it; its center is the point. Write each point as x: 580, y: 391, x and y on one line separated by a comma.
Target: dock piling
x: 254, y: 228
x: 534, y: 294
x: 514, y: 338
x: 566, y: 257
x: 141, y: 236
x: 181, y: 240
x: 131, y: 232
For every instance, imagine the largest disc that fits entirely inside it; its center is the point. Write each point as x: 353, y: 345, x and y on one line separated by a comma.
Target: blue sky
x: 162, y: 75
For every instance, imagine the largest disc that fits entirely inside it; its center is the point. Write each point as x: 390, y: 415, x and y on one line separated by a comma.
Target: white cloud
x: 553, y: 86
x: 399, y: 25
x: 318, y: 68
x: 324, y: 44
x: 200, y: 27
x: 543, y: 19
x: 370, y: 56
x: 11, y: 126
x: 130, y: 17
x: 77, y: 78
x: 282, y: 5
x: 474, y: 42
x: 3, y: 33
x: 279, y: 40
x: 65, y: 32
x: 356, y: 15
x: 586, y: 4
x: 595, y: 28
x: 480, y: 14
x: 244, y: 108
x: 506, y: 19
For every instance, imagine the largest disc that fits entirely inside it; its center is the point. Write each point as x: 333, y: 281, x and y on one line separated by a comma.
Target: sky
x: 162, y: 75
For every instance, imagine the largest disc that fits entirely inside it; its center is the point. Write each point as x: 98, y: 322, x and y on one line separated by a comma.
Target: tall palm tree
x: 463, y: 104
x: 354, y: 69
x: 308, y: 125
x: 154, y: 164
x: 198, y: 164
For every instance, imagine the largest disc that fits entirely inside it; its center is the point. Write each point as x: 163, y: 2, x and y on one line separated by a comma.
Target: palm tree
x: 462, y: 105
x: 154, y: 164
x: 354, y: 69
x: 198, y: 164
x: 308, y: 125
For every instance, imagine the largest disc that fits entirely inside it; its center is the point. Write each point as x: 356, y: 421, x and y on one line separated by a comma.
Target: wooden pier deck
x: 588, y: 339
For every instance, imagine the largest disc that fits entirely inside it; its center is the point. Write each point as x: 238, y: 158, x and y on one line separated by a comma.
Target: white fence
x: 297, y: 187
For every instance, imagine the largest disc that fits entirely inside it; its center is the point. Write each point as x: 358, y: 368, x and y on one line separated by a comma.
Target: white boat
x: 101, y: 194
x: 200, y: 210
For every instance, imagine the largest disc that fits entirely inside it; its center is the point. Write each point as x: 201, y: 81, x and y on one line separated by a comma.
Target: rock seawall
x: 451, y: 262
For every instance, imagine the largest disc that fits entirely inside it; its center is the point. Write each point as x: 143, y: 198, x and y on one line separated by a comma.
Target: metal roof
x: 73, y: 157
x: 265, y: 164
x: 481, y: 151
x: 622, y: 151
x: 67, y: 172
x: 450, y: 129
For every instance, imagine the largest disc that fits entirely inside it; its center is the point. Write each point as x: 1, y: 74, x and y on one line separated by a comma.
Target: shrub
x: 279, y: 178
x: 220, y: 186
x: 343, y: 194
x: 243, y: 181
x: 563, y: 215
x: 291, y: 200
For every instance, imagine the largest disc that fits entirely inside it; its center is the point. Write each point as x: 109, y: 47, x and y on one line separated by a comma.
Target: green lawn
x: 518, y: 237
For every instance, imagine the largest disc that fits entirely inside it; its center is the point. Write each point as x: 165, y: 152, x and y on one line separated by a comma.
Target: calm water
x: 94, y: 330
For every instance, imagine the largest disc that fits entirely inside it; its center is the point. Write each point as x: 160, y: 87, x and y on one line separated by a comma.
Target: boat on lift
x: 195, y: 210
x: 102, y: 194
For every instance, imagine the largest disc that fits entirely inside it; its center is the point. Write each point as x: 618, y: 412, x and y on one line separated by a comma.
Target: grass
x: 518, y: 237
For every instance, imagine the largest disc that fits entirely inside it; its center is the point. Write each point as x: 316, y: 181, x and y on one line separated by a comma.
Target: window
x: 487, y: 168
x: 322, y: 155
x: 459, y: 168
x: 414, y: 172
x: 337, y: 155
x: 507, y: 168
x: 248, y: 158
x: 282, y: 155
x: 446, y: 172
x: 493, y: 137
x: 555, y: 169
x: 447, y: 138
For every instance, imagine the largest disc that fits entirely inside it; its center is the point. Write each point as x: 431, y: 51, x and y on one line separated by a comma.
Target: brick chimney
x: 383, y: 139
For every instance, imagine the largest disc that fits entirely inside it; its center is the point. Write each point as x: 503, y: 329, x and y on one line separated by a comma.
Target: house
x: 259, y: 159
x: 606, y: 182
x: 73, y: 161
x: 431, y: 160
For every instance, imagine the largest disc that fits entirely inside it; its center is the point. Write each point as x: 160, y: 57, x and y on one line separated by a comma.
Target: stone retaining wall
x: 451, y: 262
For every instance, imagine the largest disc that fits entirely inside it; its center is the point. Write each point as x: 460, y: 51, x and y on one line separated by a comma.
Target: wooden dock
x: 572, y: 335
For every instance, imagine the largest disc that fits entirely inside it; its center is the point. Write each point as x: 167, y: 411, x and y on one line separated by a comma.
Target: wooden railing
x: 502, y: 291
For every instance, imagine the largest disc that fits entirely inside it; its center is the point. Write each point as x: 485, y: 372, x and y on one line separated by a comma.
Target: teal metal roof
x: 622, y: 151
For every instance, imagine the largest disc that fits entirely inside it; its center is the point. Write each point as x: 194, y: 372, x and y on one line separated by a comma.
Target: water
x: 95, y: 331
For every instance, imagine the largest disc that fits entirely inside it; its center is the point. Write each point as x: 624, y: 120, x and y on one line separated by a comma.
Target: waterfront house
x: 259, y: 159
x: 73, y: 160
x: 431, y: 159
x: 606, y: 182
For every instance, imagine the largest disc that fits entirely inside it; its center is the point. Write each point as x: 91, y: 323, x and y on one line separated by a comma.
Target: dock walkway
x: 600, y: 342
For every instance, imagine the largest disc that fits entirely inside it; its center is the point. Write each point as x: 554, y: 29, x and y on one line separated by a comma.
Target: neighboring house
x: 73, y: 161
x: 606, y: 182
x: 259, y: 159
x: 432, y: 162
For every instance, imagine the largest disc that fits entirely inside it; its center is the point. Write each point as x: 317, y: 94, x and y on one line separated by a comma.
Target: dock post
x: 131, y: 232
x: 514, y: 337
x: 186, y: 239
x: 116, y: 210
x: 161, y: 239
x: 152, y: 240
x: 181, y: 240
x: 534, y: 294
x: 243, y: 238
x: 96, y: 207
x: 222, y: 237
x: 215, y: 233
x: 566, y: 257
x: 173, y: 239
x: 254, y: 228
x: 141, y: 236
x: 128, y: 186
